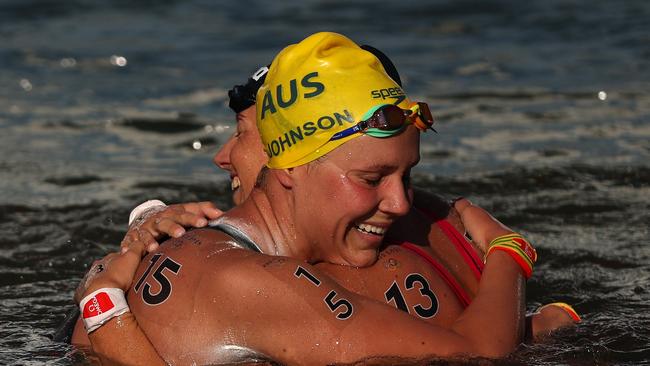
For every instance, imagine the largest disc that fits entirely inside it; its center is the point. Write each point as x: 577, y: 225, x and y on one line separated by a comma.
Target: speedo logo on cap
x: 393, y: 93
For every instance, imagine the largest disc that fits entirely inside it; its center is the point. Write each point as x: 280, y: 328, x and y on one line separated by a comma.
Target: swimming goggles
x: 388, y: 119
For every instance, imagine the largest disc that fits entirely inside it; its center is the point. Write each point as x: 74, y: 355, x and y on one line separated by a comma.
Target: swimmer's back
x: 205, y: 301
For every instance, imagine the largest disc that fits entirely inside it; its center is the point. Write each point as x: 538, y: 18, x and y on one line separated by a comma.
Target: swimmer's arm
x: 79, y: 335
x: 433, y: 208
x: 120, y: 341
x: 302, y: 309
x: 419, y: 224
x: 538, y: 324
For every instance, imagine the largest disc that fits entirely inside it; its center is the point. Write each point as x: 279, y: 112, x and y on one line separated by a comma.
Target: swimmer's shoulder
x: 199, y: 244
x: 173, y: 271
x: 202, y: 255
x: 188, y: 291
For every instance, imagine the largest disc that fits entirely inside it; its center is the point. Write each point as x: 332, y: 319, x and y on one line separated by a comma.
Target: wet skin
x: 243, y: 156
x: 385, y: 281
x: 184, y: 328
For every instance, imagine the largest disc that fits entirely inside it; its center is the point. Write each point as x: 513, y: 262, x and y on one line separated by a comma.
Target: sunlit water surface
x: 543, y: 118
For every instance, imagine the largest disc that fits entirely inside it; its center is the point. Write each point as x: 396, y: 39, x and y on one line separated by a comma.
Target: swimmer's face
x: 242, y: 155
x: 347, y: 200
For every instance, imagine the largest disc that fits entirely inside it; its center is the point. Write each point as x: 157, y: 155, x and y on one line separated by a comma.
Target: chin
x: 361, y: 249
x: 362, y: 258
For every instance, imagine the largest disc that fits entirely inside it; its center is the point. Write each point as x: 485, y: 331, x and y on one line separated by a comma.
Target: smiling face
x: 342, y: 193
x: 346, y: 201
x: 242, y: 155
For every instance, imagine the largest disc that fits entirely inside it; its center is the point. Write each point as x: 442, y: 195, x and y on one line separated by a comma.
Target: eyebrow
x: 385, y: 167
x: 379, y: 167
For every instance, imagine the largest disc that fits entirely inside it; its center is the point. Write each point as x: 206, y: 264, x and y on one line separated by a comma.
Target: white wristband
x: 144, y: 207
x: 101, y: 306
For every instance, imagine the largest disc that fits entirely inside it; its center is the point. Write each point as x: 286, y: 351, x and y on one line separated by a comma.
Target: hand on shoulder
x: 158, y: 221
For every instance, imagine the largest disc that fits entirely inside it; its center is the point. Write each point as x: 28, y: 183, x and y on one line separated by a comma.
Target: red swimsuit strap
x: 442, y: 271
x: 464, y: 247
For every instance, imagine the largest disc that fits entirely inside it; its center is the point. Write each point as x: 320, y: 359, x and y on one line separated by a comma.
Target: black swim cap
x: 388, y: 65
x: 243, y: 96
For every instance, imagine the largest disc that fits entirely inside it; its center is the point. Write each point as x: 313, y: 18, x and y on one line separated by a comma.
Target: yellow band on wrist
x: 518, y: 248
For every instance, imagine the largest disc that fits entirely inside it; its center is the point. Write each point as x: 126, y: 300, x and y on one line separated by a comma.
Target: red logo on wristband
x: 527, y: 248
x: 100, y: 303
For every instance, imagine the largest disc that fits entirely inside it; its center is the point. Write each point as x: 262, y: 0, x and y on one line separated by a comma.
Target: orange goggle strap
x: 416, y: 118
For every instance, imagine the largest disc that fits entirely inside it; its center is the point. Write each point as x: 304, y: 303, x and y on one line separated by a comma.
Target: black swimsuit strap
x: 240, y: 237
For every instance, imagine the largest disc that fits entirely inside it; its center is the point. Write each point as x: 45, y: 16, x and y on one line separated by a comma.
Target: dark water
x: 544, y: 118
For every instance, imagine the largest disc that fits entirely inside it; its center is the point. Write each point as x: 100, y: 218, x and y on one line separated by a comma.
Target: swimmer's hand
x: 550, y: 318
x: 116, y: 270
x: 168, y: 221
x: 482, y: 227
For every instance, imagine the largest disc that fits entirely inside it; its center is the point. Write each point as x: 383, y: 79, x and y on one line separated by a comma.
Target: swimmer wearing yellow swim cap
x: 318, y: 90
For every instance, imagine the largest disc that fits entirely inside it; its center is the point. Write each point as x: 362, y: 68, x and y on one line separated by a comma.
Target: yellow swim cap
x: 313, y: 90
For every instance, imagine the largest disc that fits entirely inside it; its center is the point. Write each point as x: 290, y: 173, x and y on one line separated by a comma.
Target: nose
x: 396, y: 199
x: 222, y: 157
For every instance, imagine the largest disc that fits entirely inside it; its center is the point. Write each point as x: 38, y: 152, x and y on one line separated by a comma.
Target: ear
x: 286, y: 177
